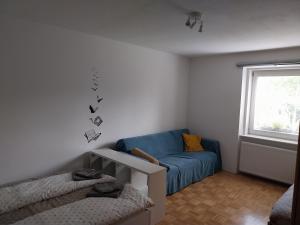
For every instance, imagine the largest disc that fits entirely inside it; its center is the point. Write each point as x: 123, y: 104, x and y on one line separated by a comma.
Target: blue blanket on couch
x: 183, y: 168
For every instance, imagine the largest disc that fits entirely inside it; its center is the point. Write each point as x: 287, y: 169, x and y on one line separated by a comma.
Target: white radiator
x: 266, y: 161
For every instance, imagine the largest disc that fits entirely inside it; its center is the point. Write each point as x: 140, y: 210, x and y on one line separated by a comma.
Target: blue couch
x: 183, y: 168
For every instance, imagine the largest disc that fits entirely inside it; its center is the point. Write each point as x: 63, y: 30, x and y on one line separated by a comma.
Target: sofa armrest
x: 213, y: 146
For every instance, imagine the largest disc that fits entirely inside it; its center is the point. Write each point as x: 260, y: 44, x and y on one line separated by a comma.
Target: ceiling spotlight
x: 193, y: 23
x: 193, y: 19
x: 188, y: 22
x: 201, y: 27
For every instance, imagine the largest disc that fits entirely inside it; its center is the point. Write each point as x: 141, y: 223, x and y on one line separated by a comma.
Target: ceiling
x: 229, y: 25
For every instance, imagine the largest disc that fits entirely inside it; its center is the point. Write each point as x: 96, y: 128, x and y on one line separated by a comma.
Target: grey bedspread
x: 96, y: 211
x: 282, y: 209
x: 35, y: 208
x: 57, y: 200
x: 20, y: 195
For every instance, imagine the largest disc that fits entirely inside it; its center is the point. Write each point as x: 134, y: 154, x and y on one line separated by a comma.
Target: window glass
x: 276, y: 106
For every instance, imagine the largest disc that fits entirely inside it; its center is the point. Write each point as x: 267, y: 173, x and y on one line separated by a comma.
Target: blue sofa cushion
x: 186, y: 168
x: 158, y: 145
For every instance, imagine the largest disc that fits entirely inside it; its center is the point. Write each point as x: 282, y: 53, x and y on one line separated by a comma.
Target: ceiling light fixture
x: 201, y: 27
x: 188, y: 22
x: 193, y: 19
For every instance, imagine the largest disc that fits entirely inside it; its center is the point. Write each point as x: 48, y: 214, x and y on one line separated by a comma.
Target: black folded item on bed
x: 108, y: 187
x: 110, y: 190
x: 86, y: 174
x: 113, y: 194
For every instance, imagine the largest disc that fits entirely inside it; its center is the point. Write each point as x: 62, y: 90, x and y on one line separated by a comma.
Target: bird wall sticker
x: 95, y: 79
x: 99, y: 99
x: 92, y: 134
x: 97, y: 121
x: 93, y: 109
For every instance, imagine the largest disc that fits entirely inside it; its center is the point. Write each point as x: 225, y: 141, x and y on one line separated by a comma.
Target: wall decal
x: 96, y: 75
x: 93, y: 109
x: 99, y: 99
x: 92, y: 135
x: 97, y: 121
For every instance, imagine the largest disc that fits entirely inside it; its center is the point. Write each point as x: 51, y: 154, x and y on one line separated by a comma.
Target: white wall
x: 45, y: 93
x: 214, y: 97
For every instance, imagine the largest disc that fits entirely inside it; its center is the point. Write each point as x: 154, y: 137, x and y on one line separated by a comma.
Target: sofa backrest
x: 157, y: 145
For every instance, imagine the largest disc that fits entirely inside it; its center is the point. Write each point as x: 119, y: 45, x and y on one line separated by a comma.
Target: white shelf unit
x: 145, y: 176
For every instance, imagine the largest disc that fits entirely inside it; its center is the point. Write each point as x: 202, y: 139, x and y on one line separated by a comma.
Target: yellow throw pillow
x: 141, y: 154
x: 192, y: 143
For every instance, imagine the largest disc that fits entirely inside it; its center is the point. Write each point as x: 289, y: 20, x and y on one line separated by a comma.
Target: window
x: 271, y: 104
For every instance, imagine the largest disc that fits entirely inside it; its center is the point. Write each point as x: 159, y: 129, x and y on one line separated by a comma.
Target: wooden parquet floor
x: 223, y: 199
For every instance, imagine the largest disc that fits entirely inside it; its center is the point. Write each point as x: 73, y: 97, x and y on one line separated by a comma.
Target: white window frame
x: 248, y: 104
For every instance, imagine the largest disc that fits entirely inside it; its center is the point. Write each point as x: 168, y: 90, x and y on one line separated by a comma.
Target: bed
x: 59, y: 200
